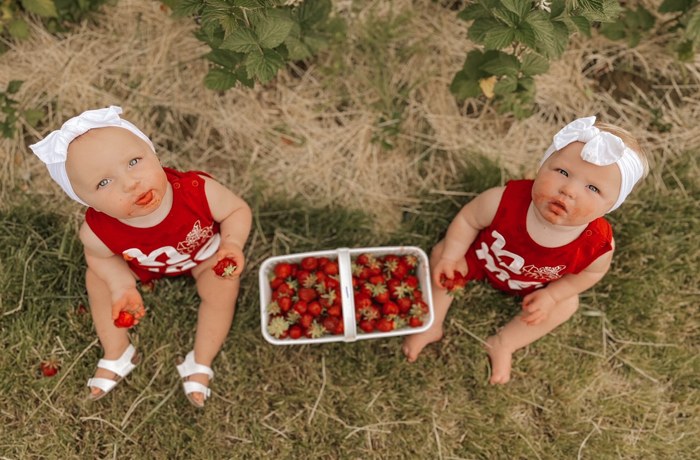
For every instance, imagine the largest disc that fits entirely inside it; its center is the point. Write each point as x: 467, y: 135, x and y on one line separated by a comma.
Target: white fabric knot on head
x: 53, y: 149
x: 602, y: 149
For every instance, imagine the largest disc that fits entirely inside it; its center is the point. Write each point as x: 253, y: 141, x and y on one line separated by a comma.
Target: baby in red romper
x: 545, y: 240
x: 143, y: 222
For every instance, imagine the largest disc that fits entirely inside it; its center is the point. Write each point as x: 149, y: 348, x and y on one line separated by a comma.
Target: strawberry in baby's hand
x: 125, y: 319
x: 225, y: 267
x: 456, y: 287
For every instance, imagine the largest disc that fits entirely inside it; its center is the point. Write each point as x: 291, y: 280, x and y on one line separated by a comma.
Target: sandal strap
x: 121, y: 366
x: 196, y: 387
x: 190, y: 367
x: 105, y: 385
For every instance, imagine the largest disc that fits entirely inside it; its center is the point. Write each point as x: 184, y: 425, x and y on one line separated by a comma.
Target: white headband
x: 53, y: 150
x: 602, y: 149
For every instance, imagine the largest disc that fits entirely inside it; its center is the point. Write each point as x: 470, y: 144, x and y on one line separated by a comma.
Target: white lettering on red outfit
x: 176, y: 261
x: 497, y: 263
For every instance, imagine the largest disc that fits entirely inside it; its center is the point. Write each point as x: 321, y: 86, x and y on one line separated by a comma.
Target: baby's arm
x: 472, y: 218
x: 114, y: 271
x: 235, y: 219
x: 539, y: 303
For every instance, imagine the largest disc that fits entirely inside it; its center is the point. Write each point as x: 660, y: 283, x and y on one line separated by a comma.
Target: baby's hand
x: 235, y: 252
x: 129, y: 300
x: 538, y: 304
x: 447, y: 268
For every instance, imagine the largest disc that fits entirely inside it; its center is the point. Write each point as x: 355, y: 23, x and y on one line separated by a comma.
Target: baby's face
x: 116, y: 172
x: 570, y: 191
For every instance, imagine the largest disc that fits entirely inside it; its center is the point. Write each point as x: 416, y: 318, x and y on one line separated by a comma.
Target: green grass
x: 619, y: 380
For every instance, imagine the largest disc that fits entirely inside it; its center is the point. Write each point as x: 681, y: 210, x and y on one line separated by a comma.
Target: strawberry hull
x: 350, y: 328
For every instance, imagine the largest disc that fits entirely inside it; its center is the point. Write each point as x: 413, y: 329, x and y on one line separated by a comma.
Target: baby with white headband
x: 543, y: 239
x: 144, y: 222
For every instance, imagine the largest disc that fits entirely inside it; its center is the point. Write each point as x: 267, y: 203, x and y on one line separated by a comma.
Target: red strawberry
x: 415, y: 322
x: 148, y: 286
x: 320, y: 277
x: 363, y: 259
x: 283, y: 270
x: 367, y: 325
x: 322, y: 261
x: 411, y: 281
x: 309, y: 263
x: 276, y: 282
x: 330, y: 323
x: 385, y: 325
x: 314, y: 308
x: 334, y: 311
x: 331, y: 268
x: 455, y: 286
x: 306, y: 320
x: 285, y: 303
x: 339, y: 329
x: 124, y: 320
x: 395, y: 287
x: 286, y: 290
x: 404, y: 304
x: 390, y: 308
x: 400, y: 272
x: 331, y: 283
x: 411, y: 261
x: 225, y: 267
x: 295, y: 332
x: 50, y: 367
x: 362, y: 301
x: 300, y: 307
x: 307, y: 294
x: 81, y: 309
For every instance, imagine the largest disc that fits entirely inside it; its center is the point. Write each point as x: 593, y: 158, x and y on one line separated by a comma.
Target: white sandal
x: 126, y: 363
x: 189, y: 367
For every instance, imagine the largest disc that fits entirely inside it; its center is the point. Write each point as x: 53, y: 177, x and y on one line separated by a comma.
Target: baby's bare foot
x: 501, y: 360
x: 414, y: 344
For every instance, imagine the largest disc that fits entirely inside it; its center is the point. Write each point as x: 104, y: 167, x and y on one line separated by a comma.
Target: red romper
x: 185, y: 238
x: 505, y: 255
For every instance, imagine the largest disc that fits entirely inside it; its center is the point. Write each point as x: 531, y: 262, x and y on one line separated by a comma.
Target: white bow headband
x: 53, y: 150
x: 602, y: 149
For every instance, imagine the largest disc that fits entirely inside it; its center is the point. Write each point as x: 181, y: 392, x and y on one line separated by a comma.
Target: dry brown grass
x: 137, y: 57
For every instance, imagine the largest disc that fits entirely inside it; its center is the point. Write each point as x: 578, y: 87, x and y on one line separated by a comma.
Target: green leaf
x: 312, y: 12
x: 561, y: 39
x: 225, y: 58
x: 519, y: 7
x: 499, y: 37
x: 646, y: 19
x: 229, y: 22
x: 672, y: 6
x: 534, y: 64
x: 474, y: 11
x: 315, y: 41
x: 509, y: 18
x: 558, y: 7
x: 525, y: 34
x: 527, y: 84
x: 692, y: 28
x: 18, y: 29
x: 503, y: 64
x: 242, y: 75
x: 297, y: 49
x: 249, y: 4
x: 45, y: 8
x: 14, y: 86
x: 582, y: 24
x: 265, y: 65
x: 544, y: 30
x: 475, y: 59
x: 242, y: 40
x: 506, y: 85
x: 272, y: 31
x: 186, y: 8
x: 634, y: 39
x: 464, y: 87
x: 220, y: 79
x: 33, y: 116
x: 479, y: 28
x: 613, y: 30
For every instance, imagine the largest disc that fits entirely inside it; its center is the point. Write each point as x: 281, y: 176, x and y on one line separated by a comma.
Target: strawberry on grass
x: 50, y: 367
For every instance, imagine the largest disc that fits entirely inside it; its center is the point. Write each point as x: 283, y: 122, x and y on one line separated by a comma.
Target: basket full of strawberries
x: 345, y: 295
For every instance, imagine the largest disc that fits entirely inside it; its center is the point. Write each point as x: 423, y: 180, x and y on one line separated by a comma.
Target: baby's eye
x: 594, y: 188
x: 102, y: 183
x: 134, y: 161
x: 563, y: 173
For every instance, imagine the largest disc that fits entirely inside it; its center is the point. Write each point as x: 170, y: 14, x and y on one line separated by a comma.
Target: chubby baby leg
x: 218, y: 300
x: 414, y: 344
x: 517, y: 334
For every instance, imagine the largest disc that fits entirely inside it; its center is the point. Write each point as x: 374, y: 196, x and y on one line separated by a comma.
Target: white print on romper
x: 178, y: 262
x: 515, y: 266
